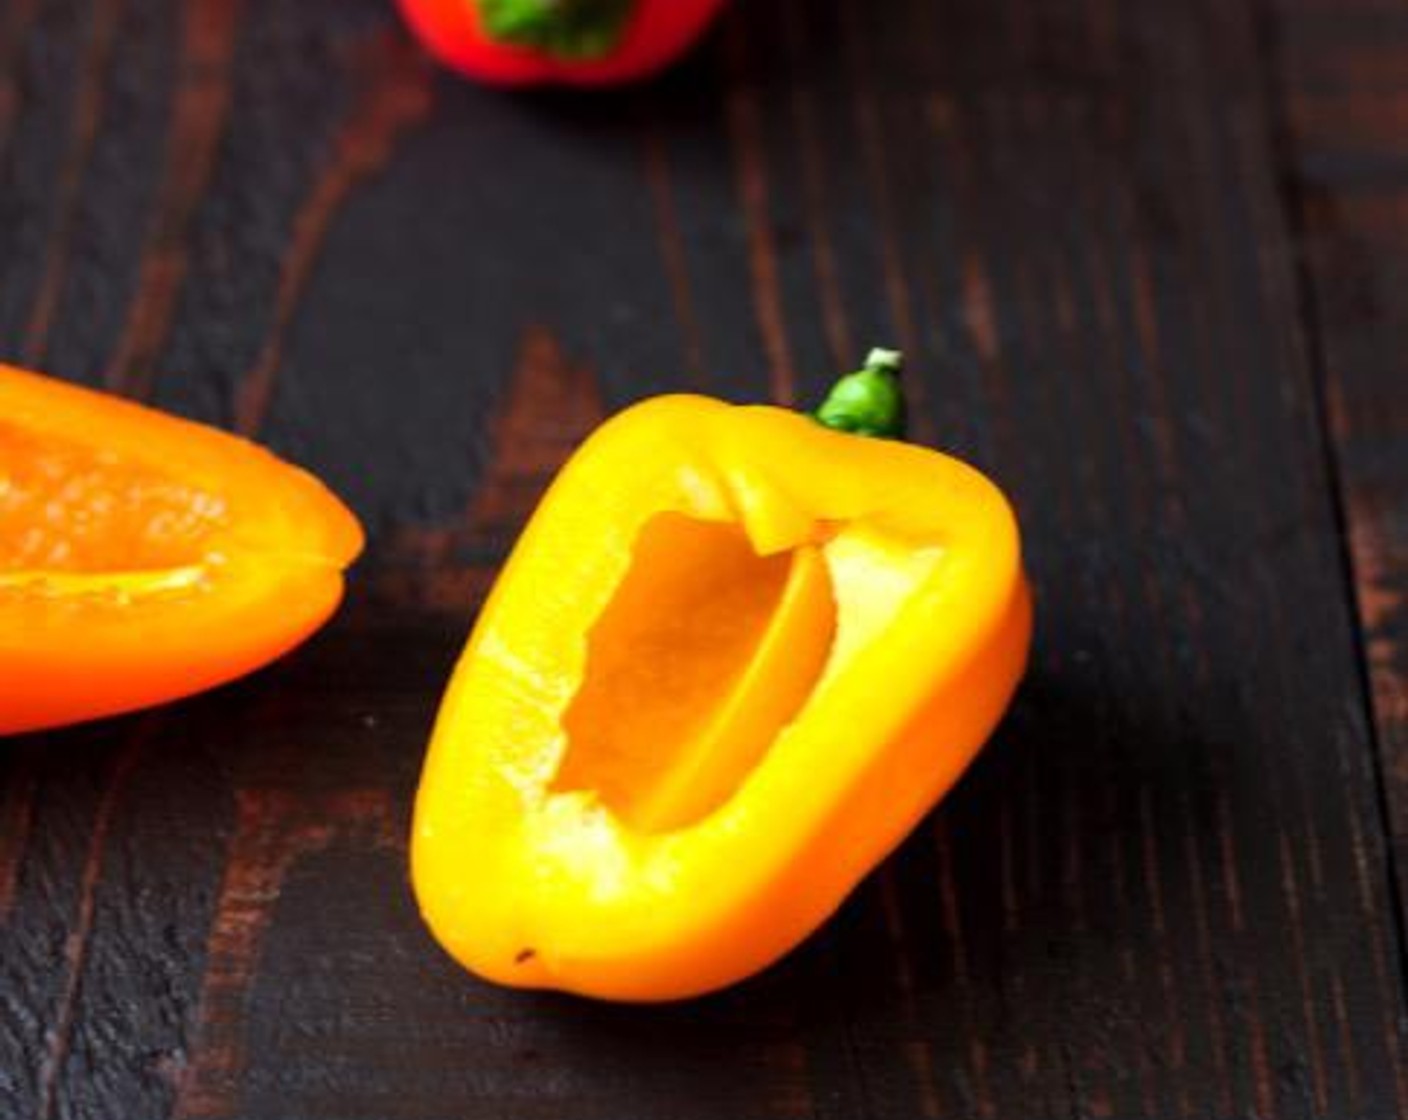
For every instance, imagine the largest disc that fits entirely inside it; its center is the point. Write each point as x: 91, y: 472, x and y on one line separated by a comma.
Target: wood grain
x: 1340, y: 78
x: 273, y: 831
x: 1145, y: 261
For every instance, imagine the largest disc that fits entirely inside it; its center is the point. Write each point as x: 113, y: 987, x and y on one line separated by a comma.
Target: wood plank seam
x: 1285, y: 146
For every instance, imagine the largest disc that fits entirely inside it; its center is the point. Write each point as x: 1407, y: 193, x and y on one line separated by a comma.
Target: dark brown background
x: 1150, y: 260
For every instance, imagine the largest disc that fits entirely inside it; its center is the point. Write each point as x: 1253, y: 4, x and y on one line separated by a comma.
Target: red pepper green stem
x: 575, y: 30
x: 869, y: 402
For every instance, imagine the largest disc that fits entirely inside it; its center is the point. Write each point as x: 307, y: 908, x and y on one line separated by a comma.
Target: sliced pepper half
x: 735, y: 657
x: 144, y: 557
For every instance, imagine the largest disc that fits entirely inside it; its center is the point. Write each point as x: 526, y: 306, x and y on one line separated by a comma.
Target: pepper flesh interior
x: 72, y: 514
x: 705, y: 652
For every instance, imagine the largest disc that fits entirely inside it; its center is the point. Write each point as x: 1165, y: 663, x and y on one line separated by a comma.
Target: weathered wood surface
x: 1343, y: 73
x: 1147, y: 259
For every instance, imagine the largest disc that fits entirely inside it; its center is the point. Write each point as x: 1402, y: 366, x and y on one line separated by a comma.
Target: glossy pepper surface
x: 143, y: 557
x: 559, y: 42
x: 734, y: 658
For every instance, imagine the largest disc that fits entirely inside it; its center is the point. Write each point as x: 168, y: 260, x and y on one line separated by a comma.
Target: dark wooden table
x: 1150, y: 260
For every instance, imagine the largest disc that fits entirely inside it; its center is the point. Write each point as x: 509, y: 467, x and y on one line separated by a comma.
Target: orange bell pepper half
x: 733, y: 660
x: 144, y: 558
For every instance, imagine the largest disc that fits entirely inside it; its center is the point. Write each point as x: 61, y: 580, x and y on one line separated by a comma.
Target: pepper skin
x: 733, y: 660
x: 143, y: 558
x: 559, y: 42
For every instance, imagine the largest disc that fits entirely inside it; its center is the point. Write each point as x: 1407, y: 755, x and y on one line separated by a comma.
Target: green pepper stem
x: 573, y: 30
x: 869, y: 402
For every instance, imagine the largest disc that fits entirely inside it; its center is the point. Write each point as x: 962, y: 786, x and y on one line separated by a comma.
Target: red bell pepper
x: 567, y: 42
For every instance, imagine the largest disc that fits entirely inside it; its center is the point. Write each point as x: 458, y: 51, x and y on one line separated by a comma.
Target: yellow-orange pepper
x: 145, y: 558
x: 735, y: 657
